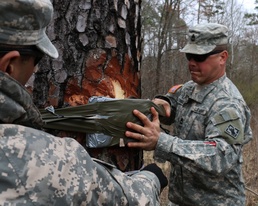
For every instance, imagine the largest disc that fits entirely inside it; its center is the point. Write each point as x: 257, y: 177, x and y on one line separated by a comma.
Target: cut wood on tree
x: 99, y: 44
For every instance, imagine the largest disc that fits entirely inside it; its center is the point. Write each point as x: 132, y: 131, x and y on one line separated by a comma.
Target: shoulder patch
x: 173, y: 89
x: 232, y: 131
x: 229, y: 125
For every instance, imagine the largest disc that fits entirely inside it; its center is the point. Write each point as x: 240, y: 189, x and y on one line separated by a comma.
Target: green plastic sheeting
x: 108, y: 117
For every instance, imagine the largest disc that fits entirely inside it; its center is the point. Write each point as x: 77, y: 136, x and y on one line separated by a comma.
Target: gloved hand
x: 158, y: 172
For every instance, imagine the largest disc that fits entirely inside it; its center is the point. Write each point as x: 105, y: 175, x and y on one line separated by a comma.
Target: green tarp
x: 108, y: 117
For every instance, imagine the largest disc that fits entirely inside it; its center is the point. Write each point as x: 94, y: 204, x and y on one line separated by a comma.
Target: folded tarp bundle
x: 107, y: 117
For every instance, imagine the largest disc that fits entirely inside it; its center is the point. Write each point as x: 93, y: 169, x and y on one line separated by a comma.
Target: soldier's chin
x: 197, y: 80
x: 194, y: 77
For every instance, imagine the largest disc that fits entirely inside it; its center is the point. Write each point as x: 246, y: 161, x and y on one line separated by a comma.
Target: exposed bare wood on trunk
x: 99, y: 46
x: 102, y: 77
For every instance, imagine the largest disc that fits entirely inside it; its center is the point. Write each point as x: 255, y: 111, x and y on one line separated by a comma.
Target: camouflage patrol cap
x: 203, y: 38
x: 23, y: 22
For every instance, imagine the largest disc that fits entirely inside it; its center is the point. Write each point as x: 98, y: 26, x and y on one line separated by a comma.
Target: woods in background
x: 164, y: 26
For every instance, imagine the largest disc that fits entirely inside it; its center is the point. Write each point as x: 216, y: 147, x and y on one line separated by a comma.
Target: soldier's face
x: 209, y: 70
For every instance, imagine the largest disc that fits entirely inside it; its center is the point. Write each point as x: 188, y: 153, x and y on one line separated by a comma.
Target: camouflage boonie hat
x: 23, y: 22
x: 203, y: 38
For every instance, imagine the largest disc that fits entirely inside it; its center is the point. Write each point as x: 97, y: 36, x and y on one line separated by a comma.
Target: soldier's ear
x: 224, y: 56
x: 7, y: 61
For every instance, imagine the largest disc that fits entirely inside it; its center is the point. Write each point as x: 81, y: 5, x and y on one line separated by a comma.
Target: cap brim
x: 197, y: 49
x: 47, y: 47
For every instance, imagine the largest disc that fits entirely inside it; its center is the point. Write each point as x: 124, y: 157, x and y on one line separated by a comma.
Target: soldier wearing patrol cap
x: 205, y: 38
x: 37, y: 168
x: 211, y: 125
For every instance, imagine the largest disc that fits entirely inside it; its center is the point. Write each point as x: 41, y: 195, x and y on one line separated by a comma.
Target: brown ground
x: 148, y: 158
x: 250, y: 167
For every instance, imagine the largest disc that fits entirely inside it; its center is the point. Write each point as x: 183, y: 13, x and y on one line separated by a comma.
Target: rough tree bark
x: 99, y: 46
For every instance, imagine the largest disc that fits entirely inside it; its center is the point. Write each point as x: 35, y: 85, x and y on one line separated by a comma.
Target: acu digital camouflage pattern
x: 16, y: 105
x: 23, y: 22
x: 205, y: 151
x: 37, y: 168
x: 203, y: 38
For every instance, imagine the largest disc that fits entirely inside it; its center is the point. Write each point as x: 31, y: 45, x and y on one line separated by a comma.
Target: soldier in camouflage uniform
x: 211, y: 125
x: 37, y: 168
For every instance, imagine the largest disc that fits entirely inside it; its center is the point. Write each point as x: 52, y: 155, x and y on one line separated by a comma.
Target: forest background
x: 164, y: 27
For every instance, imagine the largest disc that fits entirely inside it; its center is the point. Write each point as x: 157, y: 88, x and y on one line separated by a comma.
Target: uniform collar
x: 16, y: 105
x: 198, y: 93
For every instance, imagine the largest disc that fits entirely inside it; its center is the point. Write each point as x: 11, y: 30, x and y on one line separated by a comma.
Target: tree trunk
x: 99, y: 54
x: 99, y: 47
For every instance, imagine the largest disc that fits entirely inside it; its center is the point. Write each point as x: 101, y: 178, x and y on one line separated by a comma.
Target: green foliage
x: 212, y: 8
x: 249, y: 90
x: 150, y: 15
x: 252, y: 18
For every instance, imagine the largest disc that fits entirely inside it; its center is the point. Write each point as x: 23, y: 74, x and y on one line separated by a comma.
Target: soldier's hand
x: 148, y: 134
x: 164, y: 103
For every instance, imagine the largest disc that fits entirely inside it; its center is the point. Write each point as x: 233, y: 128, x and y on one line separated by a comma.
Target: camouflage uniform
x: 24, y: 22
x: 37, y: 168
x: 211, y: 125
